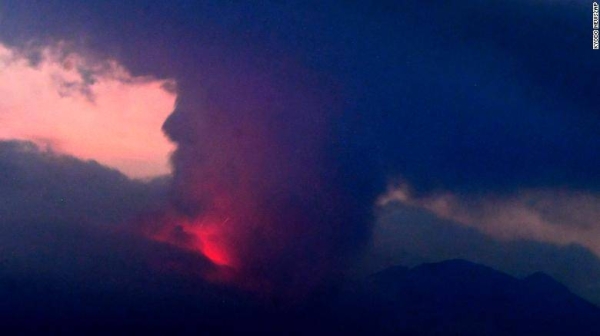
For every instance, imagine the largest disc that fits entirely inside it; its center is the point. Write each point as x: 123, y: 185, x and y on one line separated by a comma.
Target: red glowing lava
x: 209, y: 241
x: 205, y: 236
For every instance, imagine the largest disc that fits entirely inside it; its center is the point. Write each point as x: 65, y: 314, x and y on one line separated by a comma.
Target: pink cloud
x: 91, y: 109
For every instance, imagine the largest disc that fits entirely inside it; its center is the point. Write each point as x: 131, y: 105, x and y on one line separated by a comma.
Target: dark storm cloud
x: 69, y: 220
x: 53, y: 192
x: 42, y: 185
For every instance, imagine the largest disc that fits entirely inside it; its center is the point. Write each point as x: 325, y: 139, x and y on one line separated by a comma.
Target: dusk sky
x: 276, y: 147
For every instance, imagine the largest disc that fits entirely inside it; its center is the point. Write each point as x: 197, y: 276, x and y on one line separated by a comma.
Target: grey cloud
x: 42, y: 185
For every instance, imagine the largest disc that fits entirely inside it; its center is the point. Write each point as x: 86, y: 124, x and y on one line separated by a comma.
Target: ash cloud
x: 252, y: 165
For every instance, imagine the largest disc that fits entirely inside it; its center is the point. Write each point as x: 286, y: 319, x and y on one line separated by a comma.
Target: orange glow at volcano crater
x: 209, y: 241
x: 205, y: 236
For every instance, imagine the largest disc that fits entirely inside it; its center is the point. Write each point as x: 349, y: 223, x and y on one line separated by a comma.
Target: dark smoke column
x: 258, y: 187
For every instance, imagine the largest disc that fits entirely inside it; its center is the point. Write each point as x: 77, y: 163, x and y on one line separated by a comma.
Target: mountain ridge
x: 452, y: 297
x: 460, y: 297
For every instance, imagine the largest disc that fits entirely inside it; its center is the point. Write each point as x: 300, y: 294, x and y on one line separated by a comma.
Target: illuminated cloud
x: 548, y: 215
x: 95, y: 110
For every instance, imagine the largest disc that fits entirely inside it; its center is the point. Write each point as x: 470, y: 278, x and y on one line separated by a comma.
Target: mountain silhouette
x: 453, y: 297
x: 457, y: 297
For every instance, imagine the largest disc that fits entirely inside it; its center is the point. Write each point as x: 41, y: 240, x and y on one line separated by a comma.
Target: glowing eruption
x: 209, y: 241
x: 202, y: 236
x: 255, y: 189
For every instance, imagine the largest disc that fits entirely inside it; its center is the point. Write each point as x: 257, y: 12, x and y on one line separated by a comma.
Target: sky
x: 288, y: 144
x: 92, y: 110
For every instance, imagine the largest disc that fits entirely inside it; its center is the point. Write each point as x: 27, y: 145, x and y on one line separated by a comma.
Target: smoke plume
x: 257, y: 190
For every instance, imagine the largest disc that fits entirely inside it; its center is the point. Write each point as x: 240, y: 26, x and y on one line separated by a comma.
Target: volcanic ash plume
x: 256, y: 189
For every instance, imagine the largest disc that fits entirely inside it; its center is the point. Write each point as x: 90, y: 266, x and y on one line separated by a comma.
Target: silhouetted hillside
x: 454, y: 297
x: 459, y: 297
